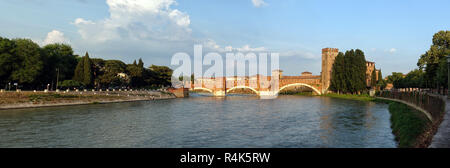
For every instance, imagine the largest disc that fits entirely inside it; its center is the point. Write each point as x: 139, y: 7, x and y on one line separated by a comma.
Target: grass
x: 27, y: 98
x: 362, y: 97
x: 48, y: 97
x: 40, y: 97
x: 407, y: 124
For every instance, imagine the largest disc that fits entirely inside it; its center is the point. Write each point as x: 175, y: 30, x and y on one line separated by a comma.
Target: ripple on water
x: 203, y: 121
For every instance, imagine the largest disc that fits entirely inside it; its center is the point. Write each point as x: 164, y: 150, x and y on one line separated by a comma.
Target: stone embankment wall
x: 432, y: 104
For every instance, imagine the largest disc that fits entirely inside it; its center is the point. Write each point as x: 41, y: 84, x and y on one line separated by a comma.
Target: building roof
x: 301, y: 77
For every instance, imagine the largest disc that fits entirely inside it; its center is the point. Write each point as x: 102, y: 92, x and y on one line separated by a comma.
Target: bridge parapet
x: 264, y: 87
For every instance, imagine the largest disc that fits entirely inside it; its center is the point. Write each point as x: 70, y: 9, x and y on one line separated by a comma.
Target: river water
x: 203, y: 121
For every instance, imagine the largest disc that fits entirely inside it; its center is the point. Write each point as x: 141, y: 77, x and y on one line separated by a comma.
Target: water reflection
x: 203, y: 121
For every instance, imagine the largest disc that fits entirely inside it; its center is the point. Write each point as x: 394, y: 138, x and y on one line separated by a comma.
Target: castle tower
x: 328, y: 57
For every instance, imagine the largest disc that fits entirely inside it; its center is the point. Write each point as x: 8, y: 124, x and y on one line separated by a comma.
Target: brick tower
x: 328, y: 56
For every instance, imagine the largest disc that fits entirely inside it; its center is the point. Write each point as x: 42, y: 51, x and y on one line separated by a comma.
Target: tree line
x: 432, y: 71
x: 349, y: 73
x: 25, y: 63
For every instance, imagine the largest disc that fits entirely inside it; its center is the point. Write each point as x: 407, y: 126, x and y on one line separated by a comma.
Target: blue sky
x: 391, y: 33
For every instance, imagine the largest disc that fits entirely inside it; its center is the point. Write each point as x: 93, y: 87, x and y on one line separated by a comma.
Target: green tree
x: 360, y: 71
x: 87, y: 71
x: 349, y: 72
x: 28, y: 54
x: 79, y: 71
x: 338, y: 75
x: 416, y: 78
x: 162, y: 75
x: 97, y: 70
x: 111, y: 77
x: 70, y: 84
x: 58, y: 57
x: 373, y: 80
x: 380, y: 75
x: 8, y: 61
x: 136, y: 73
x: 395, y: 79
x: 141, y: 63
x: 442, y: 73
x: 413, y: 79
x: 83, y: 71
x: 430, y: 60
x: 381, y: 82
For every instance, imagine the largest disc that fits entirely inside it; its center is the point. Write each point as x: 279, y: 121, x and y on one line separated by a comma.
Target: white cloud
x: 137, y: 20
x: 54, y: 36
x: 247, y: 48
x: 152, y: 30
x: 259, y: 3
x: 392, y: 50
x: 301, y: 54
x: 212, y: 45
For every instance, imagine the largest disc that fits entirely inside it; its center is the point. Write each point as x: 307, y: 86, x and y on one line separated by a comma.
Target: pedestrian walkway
x: 442, y: 137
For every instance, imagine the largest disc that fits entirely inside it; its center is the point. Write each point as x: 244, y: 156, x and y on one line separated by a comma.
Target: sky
x: 391, y: 33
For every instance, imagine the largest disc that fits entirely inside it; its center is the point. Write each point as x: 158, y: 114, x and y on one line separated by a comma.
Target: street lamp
x: 448, y: 71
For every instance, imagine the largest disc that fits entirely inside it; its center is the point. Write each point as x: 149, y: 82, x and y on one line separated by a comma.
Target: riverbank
x: 411, y: 127
x: 363, y: 97
x: 17, y: 100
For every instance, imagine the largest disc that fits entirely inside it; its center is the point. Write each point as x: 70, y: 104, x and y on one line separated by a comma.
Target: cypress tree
x: 349, y: 72
x: 380, y: 76
x: 342, y: 77
x: 373, y: 80
x: 361, y: 71
x: 79, y: 71
x: 337, y: 75
x: 381, y: 83
x: 87, y: 70
x: 141, y: 63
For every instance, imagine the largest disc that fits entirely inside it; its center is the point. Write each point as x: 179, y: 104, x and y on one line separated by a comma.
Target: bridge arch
x: 243, y: 87
x: 204, y: 89
x: 300, y: 84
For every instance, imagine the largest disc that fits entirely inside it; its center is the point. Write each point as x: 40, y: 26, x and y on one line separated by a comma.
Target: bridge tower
x: 328, y: 57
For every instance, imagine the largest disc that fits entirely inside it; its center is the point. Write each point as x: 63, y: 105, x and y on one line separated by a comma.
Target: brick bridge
x: 262, y: 86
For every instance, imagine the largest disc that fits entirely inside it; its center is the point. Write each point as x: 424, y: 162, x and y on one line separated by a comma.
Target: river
x: 203, y: 121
